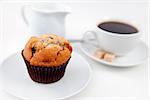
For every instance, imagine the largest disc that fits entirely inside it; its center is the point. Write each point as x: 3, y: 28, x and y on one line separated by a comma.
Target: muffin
x: 46, y: 57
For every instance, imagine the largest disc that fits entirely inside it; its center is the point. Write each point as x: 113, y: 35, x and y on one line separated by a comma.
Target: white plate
x: 135, y: 57
x: 17, y: 82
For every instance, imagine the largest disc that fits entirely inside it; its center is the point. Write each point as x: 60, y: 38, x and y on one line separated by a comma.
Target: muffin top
x: 47, y: 50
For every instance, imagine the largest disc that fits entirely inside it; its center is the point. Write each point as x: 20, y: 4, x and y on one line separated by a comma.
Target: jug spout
x: 63, y: 8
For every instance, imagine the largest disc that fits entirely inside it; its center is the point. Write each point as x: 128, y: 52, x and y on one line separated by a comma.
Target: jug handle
x: 24, y: 15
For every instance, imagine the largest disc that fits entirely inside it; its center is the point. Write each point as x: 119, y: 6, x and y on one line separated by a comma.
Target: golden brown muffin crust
x: 47, y: 50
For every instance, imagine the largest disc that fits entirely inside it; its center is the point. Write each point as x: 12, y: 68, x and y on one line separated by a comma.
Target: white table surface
x: 107, y: 82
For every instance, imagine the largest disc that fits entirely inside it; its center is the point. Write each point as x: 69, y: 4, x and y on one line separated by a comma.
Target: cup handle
x: 23, y: 10
x: 85, y: 39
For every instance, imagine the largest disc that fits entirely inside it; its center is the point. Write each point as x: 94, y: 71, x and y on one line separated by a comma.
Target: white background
x: 107, y: 82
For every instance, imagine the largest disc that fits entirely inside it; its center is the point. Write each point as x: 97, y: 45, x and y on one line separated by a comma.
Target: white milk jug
x: 44, y: 19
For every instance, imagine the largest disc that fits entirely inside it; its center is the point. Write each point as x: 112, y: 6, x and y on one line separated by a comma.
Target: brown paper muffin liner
x: 42, y: 74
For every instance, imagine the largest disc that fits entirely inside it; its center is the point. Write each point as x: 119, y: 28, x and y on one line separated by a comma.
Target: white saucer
x: 135, y: 57
x: 17, y: 82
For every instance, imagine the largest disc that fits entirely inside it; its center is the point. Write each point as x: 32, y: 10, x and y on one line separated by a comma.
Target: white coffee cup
x: 45, y: 18
x: 119, y: 44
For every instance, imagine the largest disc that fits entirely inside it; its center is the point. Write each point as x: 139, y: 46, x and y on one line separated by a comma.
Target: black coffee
x: 117, y: 27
